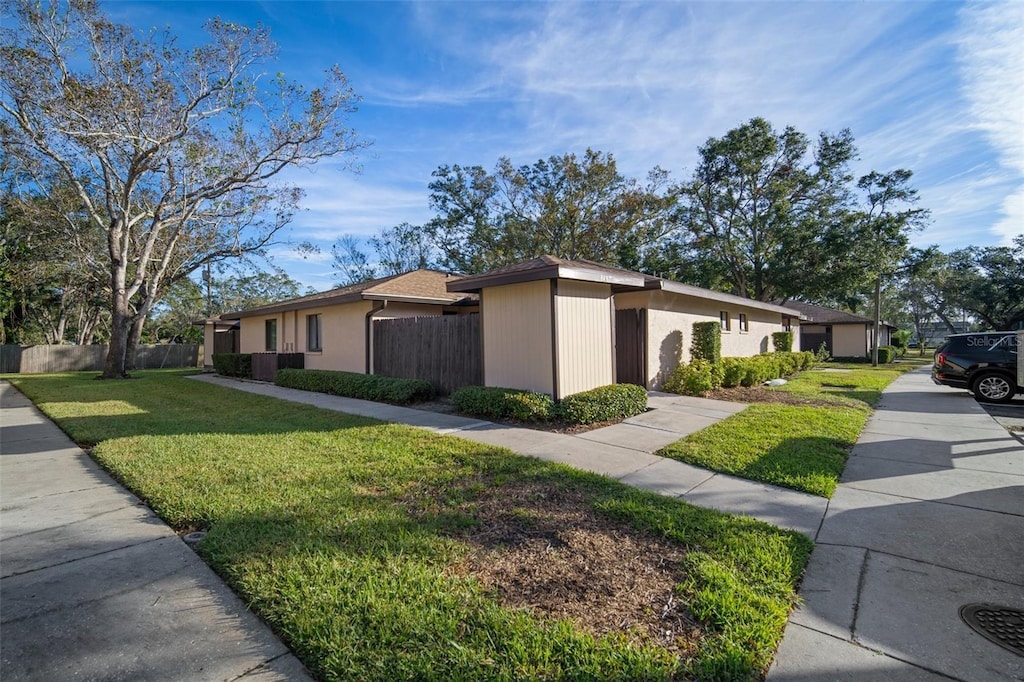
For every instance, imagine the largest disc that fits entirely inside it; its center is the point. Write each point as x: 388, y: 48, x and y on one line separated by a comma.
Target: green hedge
x: 504, y: 403
x: 707, y: 341
x: 617, y: 401
x: 233, y: 364
x: 887, y: 354
x: 782, y: 342
x: 355, y: 385
x: 700, y: 376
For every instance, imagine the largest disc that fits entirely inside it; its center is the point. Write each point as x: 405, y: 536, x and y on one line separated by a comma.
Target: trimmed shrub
x: 782, y: 341
x: 617, y: 401
x: 354, y: 385
x: 807, y: 360
x: 233, y: 364
x: 504, y: 403
x: 696, y: 378
x: 886, y: 355
x: 733, y: 370
x: 707, y: 341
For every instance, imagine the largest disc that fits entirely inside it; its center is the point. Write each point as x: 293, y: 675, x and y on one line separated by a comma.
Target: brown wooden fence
x: 443, y: 350
x: 265, y: 365
x: 41, y: 359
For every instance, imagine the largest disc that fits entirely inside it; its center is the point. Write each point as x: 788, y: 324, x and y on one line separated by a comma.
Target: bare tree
x: 174, y: 153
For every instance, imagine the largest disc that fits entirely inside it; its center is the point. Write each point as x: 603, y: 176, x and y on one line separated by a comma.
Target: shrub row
x: 355, y: 385
x: 233, y: 364
x: 701, y: 376
x: 617, y: 401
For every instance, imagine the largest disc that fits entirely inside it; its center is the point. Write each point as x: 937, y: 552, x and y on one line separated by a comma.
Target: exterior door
x: 631, y: 346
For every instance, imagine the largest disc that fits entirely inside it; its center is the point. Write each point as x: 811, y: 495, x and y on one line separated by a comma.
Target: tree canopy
x: 172, y: 153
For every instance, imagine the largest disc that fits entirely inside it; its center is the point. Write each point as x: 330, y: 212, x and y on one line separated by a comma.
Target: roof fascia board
x: 475, y: 284
x: 722, y: 297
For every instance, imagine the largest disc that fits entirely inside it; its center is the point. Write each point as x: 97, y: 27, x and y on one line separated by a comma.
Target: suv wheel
x: 992, y: 388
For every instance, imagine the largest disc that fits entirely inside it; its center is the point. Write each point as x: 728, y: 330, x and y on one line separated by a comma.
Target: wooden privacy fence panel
x: 42, y: 359
x: 443, y: 350
x: 265, y: 365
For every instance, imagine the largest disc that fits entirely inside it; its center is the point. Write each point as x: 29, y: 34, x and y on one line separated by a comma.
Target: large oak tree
x: 173, y: 153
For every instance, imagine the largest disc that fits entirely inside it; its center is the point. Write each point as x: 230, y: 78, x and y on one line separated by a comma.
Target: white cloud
x: 991, y: 52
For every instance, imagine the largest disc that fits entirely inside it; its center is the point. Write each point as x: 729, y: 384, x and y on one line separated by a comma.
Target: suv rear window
x: 981, y: 342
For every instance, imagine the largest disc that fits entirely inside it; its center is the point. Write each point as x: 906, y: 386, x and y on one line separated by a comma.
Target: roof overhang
x: 217, y: 322
x: 619, y: 281
x: 721, y: 297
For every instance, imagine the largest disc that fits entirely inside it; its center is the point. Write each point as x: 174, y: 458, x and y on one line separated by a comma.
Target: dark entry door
x: 631, y: 346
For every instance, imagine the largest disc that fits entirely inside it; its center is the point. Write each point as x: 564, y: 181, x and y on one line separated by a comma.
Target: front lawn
x: 797, y: 435
x: 383, y: 552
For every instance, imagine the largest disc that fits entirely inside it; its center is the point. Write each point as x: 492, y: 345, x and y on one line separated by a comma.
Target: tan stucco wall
x: 585, y: 356
x: 516, y: 331
x: 252, y: 333
x: 397, y: 310
x: 850, y: 340
x: 208, y: 345
x: 670, y: 319
x: 342, y: 336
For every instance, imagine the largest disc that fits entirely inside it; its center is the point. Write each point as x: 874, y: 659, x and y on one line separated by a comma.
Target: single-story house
x: 334, y: 328
x: 547, y: 324
x: 844, y: 334
x: 559, y: 327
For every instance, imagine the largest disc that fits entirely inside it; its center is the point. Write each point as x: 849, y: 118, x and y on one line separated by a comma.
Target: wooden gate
x: 631, y: 346
x: 443, y: 350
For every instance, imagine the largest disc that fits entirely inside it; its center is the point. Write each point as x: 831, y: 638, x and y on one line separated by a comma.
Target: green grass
x: 803, y: 447
x: 313, y: 517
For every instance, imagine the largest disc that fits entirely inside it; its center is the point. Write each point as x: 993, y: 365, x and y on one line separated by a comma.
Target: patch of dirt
x: 544, y: 549
x: 760, y: 394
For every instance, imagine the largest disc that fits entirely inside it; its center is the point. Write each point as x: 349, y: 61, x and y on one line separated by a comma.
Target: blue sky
x: 935, y: 87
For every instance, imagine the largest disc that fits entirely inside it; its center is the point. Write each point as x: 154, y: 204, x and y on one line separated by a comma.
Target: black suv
x: 984, y: 363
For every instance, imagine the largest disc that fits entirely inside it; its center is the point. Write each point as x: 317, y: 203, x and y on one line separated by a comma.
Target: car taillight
x: 940, y: 360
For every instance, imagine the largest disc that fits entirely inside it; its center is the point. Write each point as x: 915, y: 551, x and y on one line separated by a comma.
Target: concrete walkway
x: 929, y: 517
x: 622, y: 451
x: 94, y: 587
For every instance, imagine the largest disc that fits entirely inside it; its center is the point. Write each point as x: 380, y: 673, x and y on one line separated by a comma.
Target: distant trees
x: 171, y: 154
x: 567, y: 206
x: 988, y: 282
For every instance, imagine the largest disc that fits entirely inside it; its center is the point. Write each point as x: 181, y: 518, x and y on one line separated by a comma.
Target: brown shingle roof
x: 816, y: 314
x: 417, y: 286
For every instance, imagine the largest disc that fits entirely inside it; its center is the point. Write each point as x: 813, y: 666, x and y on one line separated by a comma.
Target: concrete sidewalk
x: 93, y: 586
x: 929, y: 517
x: 622, y: 451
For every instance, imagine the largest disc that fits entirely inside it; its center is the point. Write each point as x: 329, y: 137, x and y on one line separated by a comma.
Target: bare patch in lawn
x: 760, y: 394
x: 543, y: 548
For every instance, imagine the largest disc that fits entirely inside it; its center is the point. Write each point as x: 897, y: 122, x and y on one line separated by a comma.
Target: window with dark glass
x: 723, y: 317
x: 744, y: 327
x: 313, y: 338
x: 270, y: 327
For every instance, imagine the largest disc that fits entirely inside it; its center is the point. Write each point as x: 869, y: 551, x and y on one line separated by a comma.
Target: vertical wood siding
x: 585, y: 355
x: 517, y: 336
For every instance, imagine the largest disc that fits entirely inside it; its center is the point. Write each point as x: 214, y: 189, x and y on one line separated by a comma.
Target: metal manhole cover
x: 1001, y: 625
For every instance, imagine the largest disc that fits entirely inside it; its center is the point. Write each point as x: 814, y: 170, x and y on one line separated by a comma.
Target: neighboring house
x: 559, y: 327
x: 333, y: 328
x: 549, y: 325
x: 219, y: 336
x: 844, y: 334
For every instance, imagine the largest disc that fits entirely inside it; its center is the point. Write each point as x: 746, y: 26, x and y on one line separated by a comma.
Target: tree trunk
x: 120, y: 320
x: 134, y: 338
